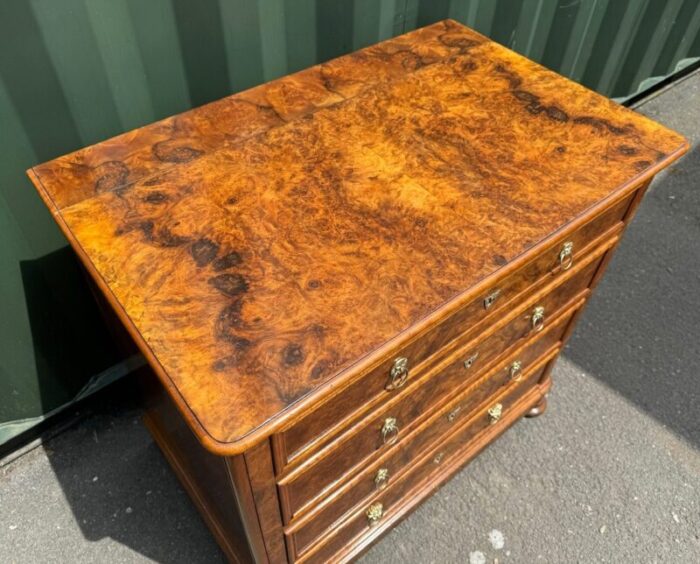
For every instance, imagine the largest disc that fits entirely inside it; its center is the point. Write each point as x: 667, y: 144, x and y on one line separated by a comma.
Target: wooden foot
x: 538, y: 409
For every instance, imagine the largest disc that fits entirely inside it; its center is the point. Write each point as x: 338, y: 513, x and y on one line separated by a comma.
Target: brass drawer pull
x: 452, y: 415
x: 495, y: 413
x: 438, y: 457
x: 537, y: 320
x: 398, y: 374
x: 390, y: 431
x: 515, y: 371
x: 491, y: 298
x: 471, y: 360
x: 374, y: 514
x: 566, y: 255
x: 381, y: 479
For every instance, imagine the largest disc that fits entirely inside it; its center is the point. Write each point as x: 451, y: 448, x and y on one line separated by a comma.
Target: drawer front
x: 478, y: 431
x: 374, y: 435
x: 395, y: 463
x: 378, y: 385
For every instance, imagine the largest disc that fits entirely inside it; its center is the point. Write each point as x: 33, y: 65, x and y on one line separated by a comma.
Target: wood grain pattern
x: 363, y: 440
x: 426, y: 438
x: 267, y: 248
x: 204, y: 476
x: 141, y: 153
x: 353, y: 534
x: 260, y: 473
x: 339, y: 410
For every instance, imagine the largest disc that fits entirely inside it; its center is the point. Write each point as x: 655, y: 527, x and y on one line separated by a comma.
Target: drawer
x: 372, y: 436
x: 397, y: 461
x: 318, y: 428
x: 428, y: 470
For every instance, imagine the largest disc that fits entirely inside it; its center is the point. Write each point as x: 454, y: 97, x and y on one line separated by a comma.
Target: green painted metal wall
x: 74, y: 72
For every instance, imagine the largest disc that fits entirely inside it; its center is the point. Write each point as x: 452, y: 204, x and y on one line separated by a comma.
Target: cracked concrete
x: 611, y: 473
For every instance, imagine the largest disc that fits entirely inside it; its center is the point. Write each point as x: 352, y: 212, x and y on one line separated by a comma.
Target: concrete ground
x: 611, y: 473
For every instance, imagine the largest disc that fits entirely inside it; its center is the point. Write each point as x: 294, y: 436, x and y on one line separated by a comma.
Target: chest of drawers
x: 350, y: 280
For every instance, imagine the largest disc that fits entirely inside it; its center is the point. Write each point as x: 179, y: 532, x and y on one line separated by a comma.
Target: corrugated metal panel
x: 74, y: 72
x: 611, y: 46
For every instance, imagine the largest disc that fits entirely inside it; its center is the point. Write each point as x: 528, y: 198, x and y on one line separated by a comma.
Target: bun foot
x: 538, y: 409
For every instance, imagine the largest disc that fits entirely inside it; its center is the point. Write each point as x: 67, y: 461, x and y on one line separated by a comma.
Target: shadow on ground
x: 118, y: 486
x: 639, y: 333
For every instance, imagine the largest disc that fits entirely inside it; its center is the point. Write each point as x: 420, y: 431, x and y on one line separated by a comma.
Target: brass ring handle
x: 537, y: 320
x: 381, y: 479
x: 390, y: 431
x: 566, y: 255
x: 515, y: 371
x: 374, y: 514
x: 495, y: 413
x: 398, y: 374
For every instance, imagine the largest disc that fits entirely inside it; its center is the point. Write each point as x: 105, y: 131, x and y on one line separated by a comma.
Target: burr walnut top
x: 268, y: 247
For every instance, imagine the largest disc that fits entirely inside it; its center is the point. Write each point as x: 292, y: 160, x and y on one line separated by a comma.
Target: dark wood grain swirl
x: 264, y: 245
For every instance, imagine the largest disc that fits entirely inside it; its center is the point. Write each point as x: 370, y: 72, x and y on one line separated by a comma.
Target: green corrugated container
x: 74, y: 72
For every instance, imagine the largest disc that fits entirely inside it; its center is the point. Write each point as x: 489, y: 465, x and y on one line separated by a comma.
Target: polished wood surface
x: 314, y: 430
x: 431, y: 469
x: 268, y: 248
x: 417, y: 400
x: 341, y: 410
x: 428, y: 436
x: 205, y: 477
x: 434, y: 197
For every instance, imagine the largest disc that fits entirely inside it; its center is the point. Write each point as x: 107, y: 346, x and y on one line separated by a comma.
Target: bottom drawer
x: 390, y: 500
